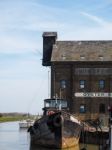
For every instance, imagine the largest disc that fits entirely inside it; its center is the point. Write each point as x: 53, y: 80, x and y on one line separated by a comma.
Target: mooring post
x: 110, y: 131
x: 110, y: 127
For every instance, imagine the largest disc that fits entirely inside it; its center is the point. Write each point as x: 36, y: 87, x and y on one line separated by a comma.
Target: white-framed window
x: 82, y: 108
x: 63, y: 84
x: 101, y: 84
x: 82, y: 84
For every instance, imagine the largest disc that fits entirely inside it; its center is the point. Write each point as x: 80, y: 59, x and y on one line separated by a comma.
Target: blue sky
x: 23, y: 80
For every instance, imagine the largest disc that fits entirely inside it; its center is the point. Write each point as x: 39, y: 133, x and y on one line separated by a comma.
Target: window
x: 102, y: 108
x: 101, y: 84
x: 82, y: 57
x: 82, y: 84
x: 82, y: 108
x: 100, y: 57
x: 63, y: 84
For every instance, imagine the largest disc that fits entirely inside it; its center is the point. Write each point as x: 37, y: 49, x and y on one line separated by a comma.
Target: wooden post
x: 110, y: 127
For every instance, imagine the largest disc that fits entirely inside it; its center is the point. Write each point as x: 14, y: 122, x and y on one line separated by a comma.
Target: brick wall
x: 67, y: 72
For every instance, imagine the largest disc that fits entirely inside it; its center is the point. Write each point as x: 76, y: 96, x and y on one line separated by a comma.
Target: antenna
x: 48, y: 83
x: 56, y: 105
x: 37, y: 52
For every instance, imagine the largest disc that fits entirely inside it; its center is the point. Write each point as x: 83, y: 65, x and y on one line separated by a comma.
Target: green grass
x: 12, y: 118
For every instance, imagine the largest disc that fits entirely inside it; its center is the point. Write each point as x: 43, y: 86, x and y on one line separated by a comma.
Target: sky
x: 23, y: 80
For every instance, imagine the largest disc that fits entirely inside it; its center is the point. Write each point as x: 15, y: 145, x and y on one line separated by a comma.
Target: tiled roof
x: 82, y: 51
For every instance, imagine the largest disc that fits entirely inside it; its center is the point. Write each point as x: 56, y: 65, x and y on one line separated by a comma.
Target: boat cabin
x: 55, y: 104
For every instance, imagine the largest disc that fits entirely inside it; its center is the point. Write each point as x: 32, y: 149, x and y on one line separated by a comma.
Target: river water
x: 13, y: 138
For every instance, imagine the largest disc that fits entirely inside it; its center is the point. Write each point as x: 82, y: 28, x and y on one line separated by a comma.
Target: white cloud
x: 18, y: 44
x: 21, y: 69
x: 88, y: 33
x: 101, y: 30
x: 39, y: 16
x: 98, y: 20
x: 44, y: 25
x: 22, y: 95
x: 94, y: 18
x: 20, y: 21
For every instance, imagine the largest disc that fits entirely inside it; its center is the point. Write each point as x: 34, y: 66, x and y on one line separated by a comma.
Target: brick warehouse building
x: 81, y: 72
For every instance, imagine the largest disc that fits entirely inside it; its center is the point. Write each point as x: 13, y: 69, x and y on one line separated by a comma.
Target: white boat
x: 26, y: 123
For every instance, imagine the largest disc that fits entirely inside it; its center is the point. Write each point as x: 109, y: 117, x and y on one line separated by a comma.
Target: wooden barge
x: 57, y: 128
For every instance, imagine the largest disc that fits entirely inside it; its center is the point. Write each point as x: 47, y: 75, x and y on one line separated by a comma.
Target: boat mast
x: 54, y: 80
x: 48, y: 83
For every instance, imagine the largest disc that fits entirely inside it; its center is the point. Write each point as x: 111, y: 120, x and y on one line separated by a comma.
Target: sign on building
x: 93, y: 71
x: 92, y: 94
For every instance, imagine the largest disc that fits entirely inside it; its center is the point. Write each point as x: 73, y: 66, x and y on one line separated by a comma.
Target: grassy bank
x: 11, y: 118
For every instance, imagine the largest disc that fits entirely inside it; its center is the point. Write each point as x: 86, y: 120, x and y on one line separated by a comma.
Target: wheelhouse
x: 55, y: 104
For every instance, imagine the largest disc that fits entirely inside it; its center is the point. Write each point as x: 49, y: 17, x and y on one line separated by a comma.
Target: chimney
x: 49, y: 38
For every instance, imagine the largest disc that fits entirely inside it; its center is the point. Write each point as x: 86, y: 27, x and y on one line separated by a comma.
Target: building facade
x: 81, y: 72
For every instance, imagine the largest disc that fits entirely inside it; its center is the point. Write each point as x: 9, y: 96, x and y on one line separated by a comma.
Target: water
x: 13, y: 138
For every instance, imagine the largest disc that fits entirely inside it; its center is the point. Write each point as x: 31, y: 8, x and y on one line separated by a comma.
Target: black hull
x: 59, y: 130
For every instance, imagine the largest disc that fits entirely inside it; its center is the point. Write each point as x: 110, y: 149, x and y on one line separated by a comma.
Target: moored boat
x: 26, y: 123
x: 57, y: 128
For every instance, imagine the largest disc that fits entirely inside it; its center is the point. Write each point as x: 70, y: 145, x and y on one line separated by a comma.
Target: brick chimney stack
x: 49, y: 38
